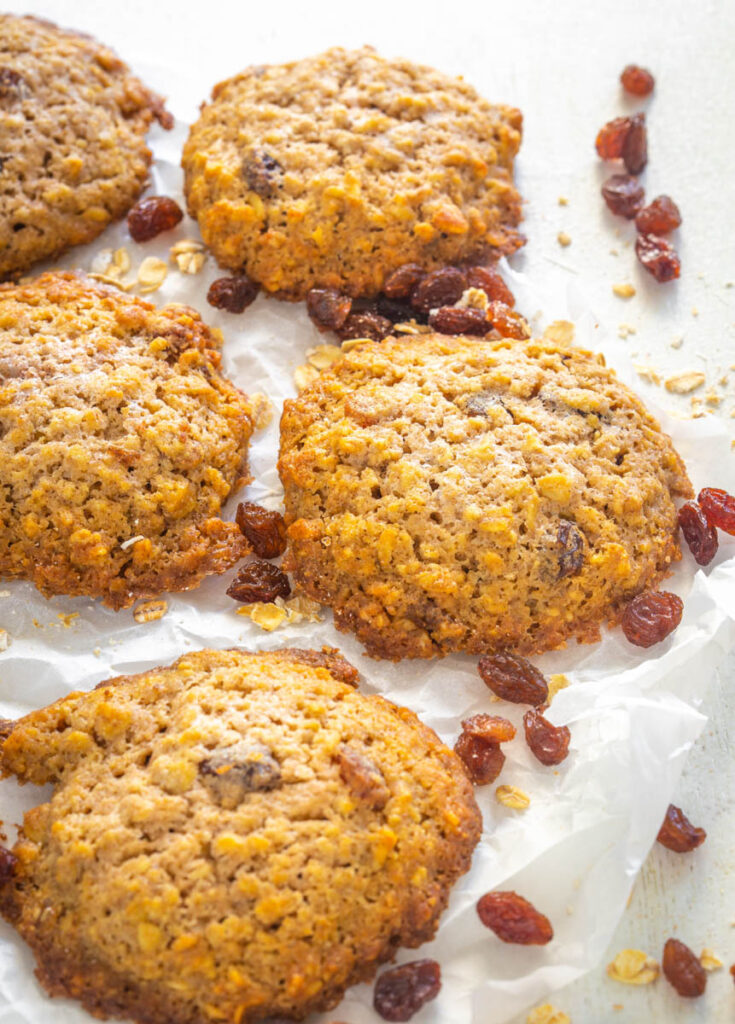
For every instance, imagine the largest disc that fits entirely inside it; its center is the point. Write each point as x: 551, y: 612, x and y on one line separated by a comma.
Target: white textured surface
x: 559, y: 62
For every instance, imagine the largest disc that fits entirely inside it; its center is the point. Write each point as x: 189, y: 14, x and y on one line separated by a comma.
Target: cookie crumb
x: 561, y: 332
x: 625, y: 330
x: 150, y: 611
x: 623, y: 291
x: 564, y: 239
x: 4, y: 640
x: 684, y: 383
x: 563, y: 201
x: 648, y: 373
x: 548, y: 1014
x: 677, y: 342
x: 557, y: 682
x: 709, y: 960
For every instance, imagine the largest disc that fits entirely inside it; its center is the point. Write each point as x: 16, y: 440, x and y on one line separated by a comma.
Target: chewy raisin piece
x: 328, y: 308
x: 365, y: 325
x: 482, y: 761
x: 623, y: 195
x: 514, y: 919
x: 233, y: 294
x: 610, y: 138
x: 402, y: 282
x: 452, y: 320
x: 677, y: 832
x: 401, y: 991
x: 719, y: 507
x: 635, y: 145
x: 153, y: 215
x: 491, y: 728
x: 637, y: 81
x: 243, y: 768
x: 488, y: 280
x: 570, y: 549
x: 659, y: 217
x: 507, y: 322
x: 699, y: 533
x: 658, y: 256
x: 650, y: 617
x: 441, y: 287
x: 683, y: 969
x: 362, y: 778
x: 265, y: 530
x: 259, y: 581
x: 261, y: 172
x: 513, y: 679
x: 548, y: 743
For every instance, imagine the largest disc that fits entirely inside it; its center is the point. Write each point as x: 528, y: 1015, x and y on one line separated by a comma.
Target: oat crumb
x: 564, y: 239
x: 709, y: 960
x: 304, y: 375
x: 633, y: 967
x: 648, y: 373
x: 547, y: 1014
x: 151, y: 274
x: 625, y: 330
x: 4, y: 640
x: 695, y: 311
x: 623, y: 291
x: 684, y: 383
x: 67, y: 618
x: 511, y: 796
x: 677, y: 342
x: 563, y: 201
x: 150, y: 611
x: 557, y: 682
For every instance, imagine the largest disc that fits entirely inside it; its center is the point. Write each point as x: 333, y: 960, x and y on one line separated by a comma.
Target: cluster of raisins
x: 626, y: 139
x: 478, y: 746
x: 259, y: 580
x: 700, y: 520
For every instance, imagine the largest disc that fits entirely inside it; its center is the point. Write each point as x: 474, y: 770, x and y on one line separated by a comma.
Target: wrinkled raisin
x: 658, y: 256
x: 328, y: 308
x: 548, y: 743
x: 233, y: 294
x: 482, y: 761
x: 650, y: 617
x: 261, y: 172
x: 719, y: 507
x: 396, y: 310
x: 514, y: 919
x: 362, y: 778
x: 491, y: 728
x: 623, y: 195
x: 153, y: 215
x: 265, y: 530
x: 699, y: 533
x: 402, y: 282
x: 635, y: 145
x: 513, y: 678
x: 637, y: 80
x: 259, y: 581
x: 439, y: 288
x: 683, y: 969
x: 570, y: 549
x: 452, y: 320
x: 507, y: 322
x: 610, y: 138
x: 243, y: 768
x: 488, y: 280
x: 677, y: 832
x: 365, y: 325
x: 401, y: 991
x: 8, y: 861
x: 659, y: 217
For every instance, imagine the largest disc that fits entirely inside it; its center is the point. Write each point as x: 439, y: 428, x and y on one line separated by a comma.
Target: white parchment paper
x: 633, y: 714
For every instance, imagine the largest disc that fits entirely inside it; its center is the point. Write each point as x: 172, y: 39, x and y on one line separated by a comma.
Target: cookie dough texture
x: 335, y: 170
x: 119, y: 443
x: 73, y: 157
x: 449, y: 494
x: 236, y: 837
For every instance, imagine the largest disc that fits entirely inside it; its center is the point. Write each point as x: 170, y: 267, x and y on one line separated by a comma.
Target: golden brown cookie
x: 335, y: 170
x: 451, y: 494
x: 73, y: 157
x: 234, y: 837
x: 119, y: 443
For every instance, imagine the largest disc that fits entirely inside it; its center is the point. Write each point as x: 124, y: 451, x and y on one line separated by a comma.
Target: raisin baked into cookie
x: 335, y: 170
x: 73, y: 157
x: 452, y: 494
x: 236, y: 837
x: 119, y: 443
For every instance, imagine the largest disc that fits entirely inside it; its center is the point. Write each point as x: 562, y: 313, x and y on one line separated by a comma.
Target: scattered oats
x: 349, y: 343
x: 648, y: 373
x: 474, y: 298
x: 190, y: 262
x: 556, y: 682
x: 625, y: 330
x: 547, y: 1014
x: 709, y: 960
x: 410, y: 327
x: 130, y: 541
x: 623, y: 291
x: 151, y: 274
x: 560, y: 331
x: 4, y: 640
x: 301, y: 607
x: 614, y: 252
x: 185, y: 245
x: 511, y: 796
x: 712, y: 398
x: 564, y: 239
x: 114, y: 281
x: 268, y: 616
x: 563, y: 201
x: 262, y: 409
x: 322, y: 356
x: 101, y: 262
x: 120, y: 263
x: 4, y: 593
x: 724, y: 380
x: 695, y: 311
x: 67, y: 618
x: 684, y: 383
x: 304, y: 375
x: 149, y: 611
x: 677, y: 342
x: 633, y: 967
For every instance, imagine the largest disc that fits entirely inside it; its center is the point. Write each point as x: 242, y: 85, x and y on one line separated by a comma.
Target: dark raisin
x: 402, y: 282
x: 8, y: 861
x: 699, y: 533
x: 514, y: 919
x: 570, y: 549
x: 491, y: 728
x: 658, y: 256
x: 677, y: 832
x: 261, y: 172
x: 610, y: 138
x: 719, y: 507
x: 507, y: 322
x: 153, y: 215
x: 452, y: 320
x: 243, y: 768
x: 488, y: 280
x: 233, y: 294
x: 482, y: 761
x: 328, y: 308
x: 265, y: 530
x: 396, y: 310
x: 513, y: 678
x: 401, y: 991
x: 635, y: 145
x: 362, y: 778
x: 637, y: 80
x: 683, y: 969
x: 659, y: 217
x: 365, y: 325
x: 548, y: 743
x: 623, y: 195
x: 259, y: 581
x: 439, y: 288
x: 650, y: 617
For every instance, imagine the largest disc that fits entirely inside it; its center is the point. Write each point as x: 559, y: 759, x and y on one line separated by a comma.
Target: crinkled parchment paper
x: 633, y: 714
